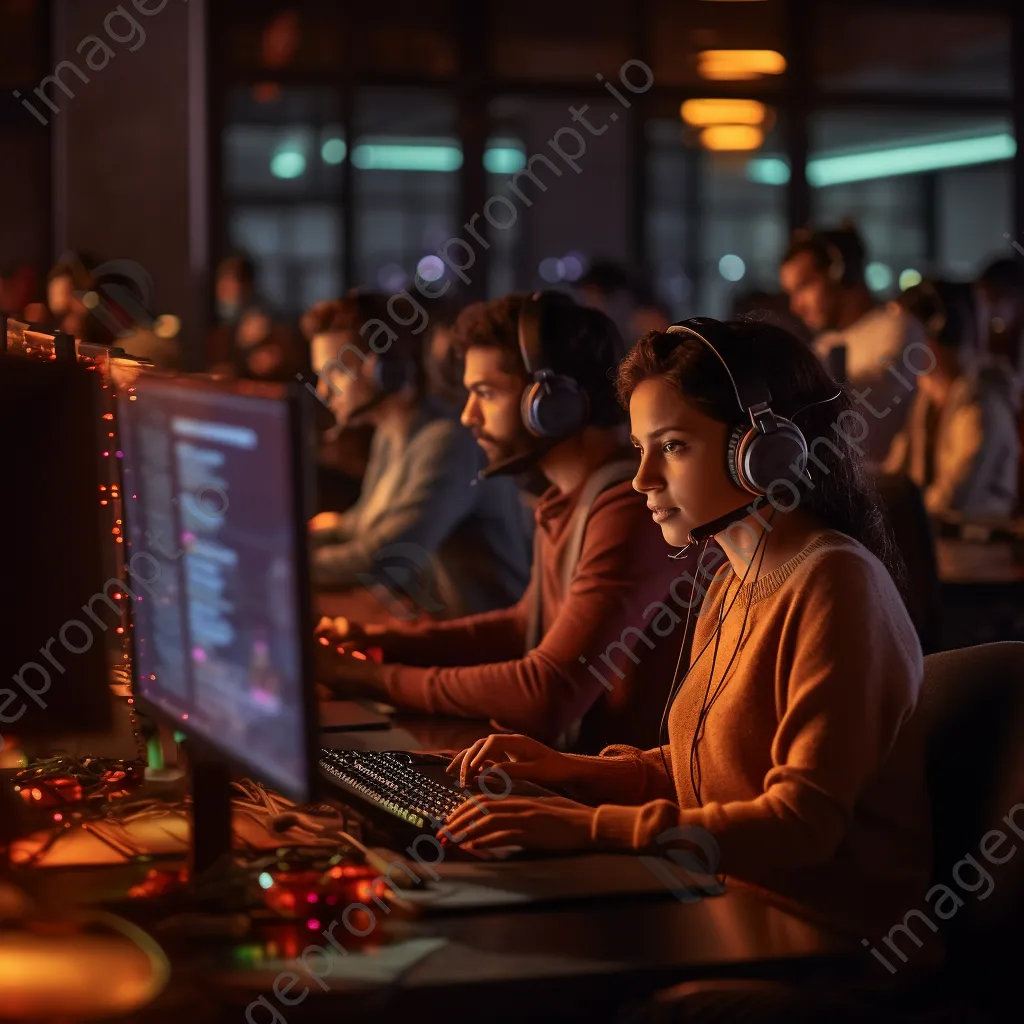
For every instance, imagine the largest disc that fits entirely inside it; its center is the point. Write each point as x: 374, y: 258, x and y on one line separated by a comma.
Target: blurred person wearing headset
x: 791, y: 756
x: 583, y: 655
x: 960, y: 443
x: 246, y: 342
x: 419, y: 524
x: 822, y: 272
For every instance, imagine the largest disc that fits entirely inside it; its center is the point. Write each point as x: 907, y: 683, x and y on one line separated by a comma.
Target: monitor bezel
x: 301, y: 465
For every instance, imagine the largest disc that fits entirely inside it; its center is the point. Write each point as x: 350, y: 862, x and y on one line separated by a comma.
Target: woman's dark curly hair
x: 841, y: 493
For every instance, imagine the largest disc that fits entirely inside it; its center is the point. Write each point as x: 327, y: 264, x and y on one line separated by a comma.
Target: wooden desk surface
x: 581, y: 961
x: 584, y: 960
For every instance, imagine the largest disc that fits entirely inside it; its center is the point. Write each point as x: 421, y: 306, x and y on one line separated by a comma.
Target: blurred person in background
x: 1000, y: 291
x: 420, y: 500
x: 822, y: 272
x: 960, y: 443
x: 68, y: 281
x: 342, y: 451
x: 246, y: 342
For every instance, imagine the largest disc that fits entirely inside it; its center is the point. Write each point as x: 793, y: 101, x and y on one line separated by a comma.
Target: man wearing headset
x: 420, y: 538
x: 879, y: 349
x: 588, y: 651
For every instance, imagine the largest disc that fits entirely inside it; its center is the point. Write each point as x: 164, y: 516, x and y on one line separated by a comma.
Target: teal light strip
x: 391, y: 157
x: 502, y: 157
x: 888, y: 163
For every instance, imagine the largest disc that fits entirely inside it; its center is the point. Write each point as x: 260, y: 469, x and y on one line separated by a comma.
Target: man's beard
x: 502, y: 450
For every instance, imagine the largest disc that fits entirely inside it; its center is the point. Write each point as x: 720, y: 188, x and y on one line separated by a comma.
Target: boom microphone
x: 709, y: 529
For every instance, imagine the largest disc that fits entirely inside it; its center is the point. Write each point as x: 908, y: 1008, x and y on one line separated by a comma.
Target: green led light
x: 768, y: 170
x: 918, y: 158
x: 179, y: 737
x: 504, y: 160
x: 395, y: 157
x: 333, y: 151
x: 266, y: 880
x: 288, y: 162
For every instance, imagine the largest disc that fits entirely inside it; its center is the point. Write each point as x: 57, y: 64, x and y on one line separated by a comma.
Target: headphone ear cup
x: 555, y: 407
x: 732, y: 458
x: 764, y: 458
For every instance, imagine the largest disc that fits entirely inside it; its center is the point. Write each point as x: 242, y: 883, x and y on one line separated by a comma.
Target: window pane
x: 922, y: 51
x: 945, y: 218
x: 559, y: 217
x: 405, y: 158
x: 733, y: 247
x: 284, y: 155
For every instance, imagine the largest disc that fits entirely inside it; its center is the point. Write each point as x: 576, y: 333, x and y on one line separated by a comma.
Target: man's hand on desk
x: 344, y: 674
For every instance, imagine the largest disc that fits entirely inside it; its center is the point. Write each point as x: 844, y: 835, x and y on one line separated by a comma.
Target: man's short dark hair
x: 830, y: 247
x: 1003, y: 275
x: 583, y: 344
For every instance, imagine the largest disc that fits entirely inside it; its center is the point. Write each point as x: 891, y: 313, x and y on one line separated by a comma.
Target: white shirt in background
x: 878, y: 340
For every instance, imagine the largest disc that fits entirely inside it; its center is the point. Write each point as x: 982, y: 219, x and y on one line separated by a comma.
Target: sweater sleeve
x: 471, y: 640
x: 435, y: 494
x: 623, y: 775
x: 843, y: 698
x: 547, y: 691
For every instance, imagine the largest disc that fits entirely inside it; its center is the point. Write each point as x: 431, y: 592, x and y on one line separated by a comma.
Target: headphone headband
x: 715, y: 335
x: 553, y: 404
x: 531, y: 334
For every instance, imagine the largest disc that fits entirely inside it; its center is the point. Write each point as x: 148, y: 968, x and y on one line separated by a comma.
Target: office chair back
x: 974, y: 706
x: 903, y: 505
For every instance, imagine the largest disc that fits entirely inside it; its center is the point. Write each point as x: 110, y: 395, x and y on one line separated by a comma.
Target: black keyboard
x: 411, y: 788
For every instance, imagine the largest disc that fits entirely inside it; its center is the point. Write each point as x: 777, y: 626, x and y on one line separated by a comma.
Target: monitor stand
x: 210, y: 846
x: 214, y: 884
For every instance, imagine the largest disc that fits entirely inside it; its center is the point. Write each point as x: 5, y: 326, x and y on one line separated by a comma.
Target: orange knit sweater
x: 812, y: 758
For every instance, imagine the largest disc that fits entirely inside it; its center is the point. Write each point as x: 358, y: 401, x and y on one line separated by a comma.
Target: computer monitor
x: 59, y: 611
x: 216, y: 527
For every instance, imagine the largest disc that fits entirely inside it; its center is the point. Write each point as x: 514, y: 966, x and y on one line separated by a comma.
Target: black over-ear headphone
x: 770, y: 447
x: 553, y: 405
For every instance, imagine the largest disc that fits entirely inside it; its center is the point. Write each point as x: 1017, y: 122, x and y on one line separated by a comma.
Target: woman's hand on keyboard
x: 531, y: 823
x: 519, y: 757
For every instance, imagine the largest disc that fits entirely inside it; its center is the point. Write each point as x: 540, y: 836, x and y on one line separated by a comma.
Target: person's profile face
x: 682, y: 461
x: 492, y: 410
x: 342, y: 371
x: 812, y: 295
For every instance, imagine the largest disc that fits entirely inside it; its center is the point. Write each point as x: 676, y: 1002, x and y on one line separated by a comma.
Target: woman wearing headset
x: 792, y: 752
